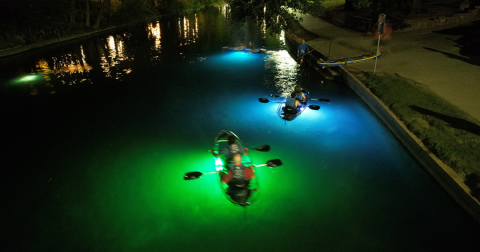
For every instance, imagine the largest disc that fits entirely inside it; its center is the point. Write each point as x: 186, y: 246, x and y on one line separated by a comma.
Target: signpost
x: 381, y: 30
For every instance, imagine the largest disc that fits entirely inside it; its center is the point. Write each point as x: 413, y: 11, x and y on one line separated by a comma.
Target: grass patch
x: 333, y: 4
x: 451, y: 134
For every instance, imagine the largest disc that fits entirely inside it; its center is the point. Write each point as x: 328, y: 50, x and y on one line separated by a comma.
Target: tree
x: 87, y: 13
x: 390, y: 7
x: 357, y: 4
x: 102, y: 10
x: 269, y: 11
x: 415, y: 7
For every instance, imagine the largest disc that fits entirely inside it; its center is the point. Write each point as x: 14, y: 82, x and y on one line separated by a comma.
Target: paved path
x: 424, y: 56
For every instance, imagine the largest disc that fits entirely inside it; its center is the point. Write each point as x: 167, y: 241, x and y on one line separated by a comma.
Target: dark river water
x: 97, y: 133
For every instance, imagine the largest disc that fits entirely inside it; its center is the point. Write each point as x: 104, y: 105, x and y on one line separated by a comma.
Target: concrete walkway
x: 424, y: 56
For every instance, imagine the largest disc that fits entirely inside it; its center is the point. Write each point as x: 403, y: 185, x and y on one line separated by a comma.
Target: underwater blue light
x: 240, y: 54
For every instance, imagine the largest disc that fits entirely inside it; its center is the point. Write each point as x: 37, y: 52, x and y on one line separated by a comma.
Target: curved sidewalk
x: 425, y: 56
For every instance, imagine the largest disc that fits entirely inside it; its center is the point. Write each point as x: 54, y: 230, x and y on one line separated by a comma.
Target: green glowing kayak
x: 233, y: 193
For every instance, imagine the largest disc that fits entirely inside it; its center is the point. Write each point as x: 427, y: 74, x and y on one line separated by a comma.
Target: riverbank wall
x: 443, y: 174
x: 25, y: 48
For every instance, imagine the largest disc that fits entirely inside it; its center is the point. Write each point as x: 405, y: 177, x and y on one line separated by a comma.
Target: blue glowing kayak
x: 251, y: 193
x: 289, y: 114
x: 247, y: 50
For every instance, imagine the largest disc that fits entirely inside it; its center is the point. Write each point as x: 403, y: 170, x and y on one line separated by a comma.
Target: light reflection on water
x: 188, y: 33
x: 119, y: 181
x: 155, y: 33
x: 284, y: 69
x: 115, y: 58
x: 114, y: 55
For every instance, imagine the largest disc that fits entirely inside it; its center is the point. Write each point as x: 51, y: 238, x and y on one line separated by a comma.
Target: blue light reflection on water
x: 346, y: 184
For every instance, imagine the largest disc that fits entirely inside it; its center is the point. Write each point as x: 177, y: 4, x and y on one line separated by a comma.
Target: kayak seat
x: 289, y: 110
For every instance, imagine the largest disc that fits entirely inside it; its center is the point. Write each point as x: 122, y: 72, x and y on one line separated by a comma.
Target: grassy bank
x: 451, y: 134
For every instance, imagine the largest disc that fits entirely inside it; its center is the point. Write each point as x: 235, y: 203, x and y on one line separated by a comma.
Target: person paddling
x: 238, y: 178
x: 292, y: 102
x: 299, y: 94
x: 230, y: 150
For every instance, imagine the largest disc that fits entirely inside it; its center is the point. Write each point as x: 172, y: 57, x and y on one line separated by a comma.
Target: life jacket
x: 290, y: 102
x: 299, y: 95
x: 238, y: 178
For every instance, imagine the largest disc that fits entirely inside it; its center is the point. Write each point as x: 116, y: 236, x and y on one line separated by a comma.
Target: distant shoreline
x: 25, y: 48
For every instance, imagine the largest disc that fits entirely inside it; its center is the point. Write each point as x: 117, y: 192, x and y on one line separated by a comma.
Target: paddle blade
x: 324, y: 100
x: 263, y: 148
x: 263, y: 100
x: 192, y: 175
x: 274, y: 163
x: 314, y: 107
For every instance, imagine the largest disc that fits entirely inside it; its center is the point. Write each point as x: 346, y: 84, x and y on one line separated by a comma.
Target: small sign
x: 382, y: 17
x: 381, y: 23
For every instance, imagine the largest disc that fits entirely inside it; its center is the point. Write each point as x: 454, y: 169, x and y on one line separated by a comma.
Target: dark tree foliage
x: 28, y: 21
x: 179, y: 6
x: 389, y: 7
x: 33, y: 18
x: 415, y: 7
x: 132, y: 11
x: 273, y: 11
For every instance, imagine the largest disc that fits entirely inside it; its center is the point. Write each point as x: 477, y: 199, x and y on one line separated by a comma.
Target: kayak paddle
x: 195, y: 175
x: 322, y: 100
x: 271, y: 163
x: 312, y: 107
x: 263, y: 148
x: 263, y: 100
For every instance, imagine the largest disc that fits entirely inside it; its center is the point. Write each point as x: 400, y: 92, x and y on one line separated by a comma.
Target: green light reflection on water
x: 142, y: 201
x: 25, y: 79
x: 144, y: 197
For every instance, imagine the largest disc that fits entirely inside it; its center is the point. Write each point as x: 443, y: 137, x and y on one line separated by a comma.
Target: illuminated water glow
x: 101, y: 165
x: 27, y: 78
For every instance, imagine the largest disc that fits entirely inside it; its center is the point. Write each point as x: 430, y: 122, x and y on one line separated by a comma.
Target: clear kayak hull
x: 231, y: 193
x: 289, y: 114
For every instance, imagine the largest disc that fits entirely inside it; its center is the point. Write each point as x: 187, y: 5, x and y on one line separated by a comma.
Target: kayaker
x: 230, y: 150
x: 238, y: 174
x: 299, y: 94
x: 238, y: 179
x: 292, y: 101
x: 252, y: 47
x: 302, y: 49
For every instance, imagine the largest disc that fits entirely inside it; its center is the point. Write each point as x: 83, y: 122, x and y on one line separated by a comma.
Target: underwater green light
x: 218, y: 164
x: 26, y: 78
